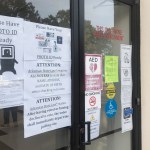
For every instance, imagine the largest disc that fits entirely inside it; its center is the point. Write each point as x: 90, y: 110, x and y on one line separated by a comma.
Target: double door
x: 102, y: 105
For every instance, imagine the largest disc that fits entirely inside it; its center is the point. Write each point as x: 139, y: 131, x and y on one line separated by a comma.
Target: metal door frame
x: 78, y: 97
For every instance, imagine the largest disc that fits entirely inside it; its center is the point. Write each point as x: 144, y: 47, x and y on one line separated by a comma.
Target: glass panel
x: 51, y: 12
x: 107, y: 25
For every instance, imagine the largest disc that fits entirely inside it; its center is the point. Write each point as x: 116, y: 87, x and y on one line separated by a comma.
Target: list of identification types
x: 11, y: 61
x: 93, y: 87
x: 126, y: 87
x: 47, y: 83
x: 44, y: 42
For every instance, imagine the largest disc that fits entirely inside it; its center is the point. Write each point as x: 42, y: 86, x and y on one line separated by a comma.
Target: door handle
x: 85, y: 133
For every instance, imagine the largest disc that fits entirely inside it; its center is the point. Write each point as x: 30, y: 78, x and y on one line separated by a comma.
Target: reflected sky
x: 100, y: 12
x: 50, y: 7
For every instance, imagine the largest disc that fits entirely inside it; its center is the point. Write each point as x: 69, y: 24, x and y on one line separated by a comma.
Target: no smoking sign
x: 92, y: 101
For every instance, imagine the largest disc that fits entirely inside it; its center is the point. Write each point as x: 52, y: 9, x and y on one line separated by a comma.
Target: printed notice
x: 93, y: 86
x: 92, y: 100
x: 92, y: 111
x: 127, y: 124
x: 45, y: 42
x: 11, y: 93
x: 94, y: 117
x: 47, y: 81
x: 111, y: 69
x: 126, y: 74
x: 126, y: 52
x: 126, y: 94
x: 11, y: 48
x: 93, y: 72
x: 46, y: 114
x: 44, y: 78
x: 126, y: 87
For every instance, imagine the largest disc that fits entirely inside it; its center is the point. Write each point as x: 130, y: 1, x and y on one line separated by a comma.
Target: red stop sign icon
x: 92, y: 101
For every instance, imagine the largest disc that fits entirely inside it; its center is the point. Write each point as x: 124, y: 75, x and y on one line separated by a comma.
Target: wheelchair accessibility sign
x: 111, y: 108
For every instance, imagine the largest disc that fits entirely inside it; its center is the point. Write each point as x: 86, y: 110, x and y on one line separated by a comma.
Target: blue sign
x: 111, y: 108
x: 127, y: 112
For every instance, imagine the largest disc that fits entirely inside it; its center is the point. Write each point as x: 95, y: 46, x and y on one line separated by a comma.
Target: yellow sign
x: 110, y: 91
x: 111, y: 69
x: 92, y: 118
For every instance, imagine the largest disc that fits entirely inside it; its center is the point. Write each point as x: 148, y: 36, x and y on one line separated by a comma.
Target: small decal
x: 111, y: 108
x: 110, y: 91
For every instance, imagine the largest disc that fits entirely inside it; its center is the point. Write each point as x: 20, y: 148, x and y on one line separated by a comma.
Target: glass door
x: 108, y: 75
x: 35, y: 99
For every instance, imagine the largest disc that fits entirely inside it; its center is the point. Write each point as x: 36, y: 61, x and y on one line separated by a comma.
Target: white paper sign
x: 11, y: 93
x: 93, y: 72
x: 126, y: 74
x: 46, y: 72
x: 126, y: 53
x: 92, y: 100
x: 44, y: 78
x: 126, y: 118
x: 126, y: 87
x: 93, y: 64
x: 126, y: 94
x: 11, y: 48
x: 94, y: 117
x: 47, y: 78
x: 93, y: 86
x: 46, y: 114
x: 45, y: 42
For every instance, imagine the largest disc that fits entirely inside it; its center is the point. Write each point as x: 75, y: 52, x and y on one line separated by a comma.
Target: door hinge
x: 138, y: 101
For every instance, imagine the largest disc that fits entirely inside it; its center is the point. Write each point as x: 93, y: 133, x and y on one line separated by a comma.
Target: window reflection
x: 52, y: 12
x: 107, y: 25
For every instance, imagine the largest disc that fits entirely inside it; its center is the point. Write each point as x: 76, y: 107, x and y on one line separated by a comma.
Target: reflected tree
x: 19, y: 8
x: 63, y: 18
x: 94, y: 44
x: 50, y: 20
x: 22, y: 9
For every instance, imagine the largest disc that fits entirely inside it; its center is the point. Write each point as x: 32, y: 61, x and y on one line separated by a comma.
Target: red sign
x: 108, y: 33
x: 93, y: 72
x: 92, y: 101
